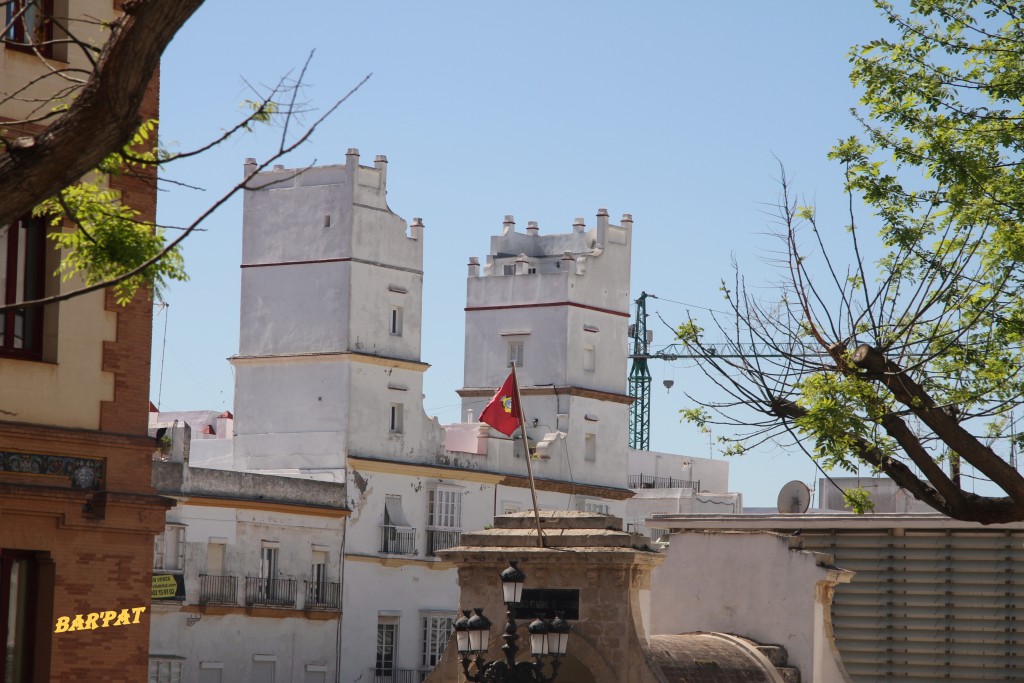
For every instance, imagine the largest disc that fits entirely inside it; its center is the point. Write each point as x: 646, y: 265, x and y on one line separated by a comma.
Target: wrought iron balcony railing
x: 218, y: 590
x: 322, y: 595
x: 396, y: 540
x: 395, y: 676
x: 441, y: 539
x: 270, y: 592
x: 643, y: 481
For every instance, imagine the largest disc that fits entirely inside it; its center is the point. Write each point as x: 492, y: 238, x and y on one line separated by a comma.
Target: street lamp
x: 547, y: 638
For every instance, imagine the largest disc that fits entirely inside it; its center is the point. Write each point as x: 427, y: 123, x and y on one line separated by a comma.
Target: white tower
x: 329, y: 348
x: 558, y: 306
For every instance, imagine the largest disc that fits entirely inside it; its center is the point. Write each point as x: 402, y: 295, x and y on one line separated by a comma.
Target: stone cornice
x: 485, y: 477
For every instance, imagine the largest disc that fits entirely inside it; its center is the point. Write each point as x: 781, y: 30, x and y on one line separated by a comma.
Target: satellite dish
x: 794, y: 498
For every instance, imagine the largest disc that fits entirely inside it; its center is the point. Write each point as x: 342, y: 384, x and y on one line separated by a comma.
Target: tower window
x: 395, y: 425
x: 395, y: 321
x: 515, y: 353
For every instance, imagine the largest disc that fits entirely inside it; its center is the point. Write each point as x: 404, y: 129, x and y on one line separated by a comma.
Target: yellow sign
x: 164, y: 586
x: 92, y: 621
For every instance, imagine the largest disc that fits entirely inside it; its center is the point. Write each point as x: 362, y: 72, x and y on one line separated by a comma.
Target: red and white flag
x: 502, y: 412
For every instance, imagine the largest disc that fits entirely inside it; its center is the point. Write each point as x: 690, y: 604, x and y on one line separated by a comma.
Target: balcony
x: 322, y: 595
x: 643, y: 481
x: 396, y: 676
x: 441, y: 539
x: 270, y: 592
x: 396, y: 540
x: 218, y: 590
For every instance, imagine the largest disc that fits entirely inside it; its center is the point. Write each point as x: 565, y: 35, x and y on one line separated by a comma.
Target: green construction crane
x: 639, y: 380
x: 640, y: 376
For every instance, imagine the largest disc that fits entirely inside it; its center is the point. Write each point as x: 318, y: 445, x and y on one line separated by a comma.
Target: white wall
x: 233, y: 638
x: 713, y: 475
x: 752, y: 585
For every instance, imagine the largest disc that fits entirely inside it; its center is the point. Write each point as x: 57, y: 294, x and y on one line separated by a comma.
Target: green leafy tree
x: 909, y: 359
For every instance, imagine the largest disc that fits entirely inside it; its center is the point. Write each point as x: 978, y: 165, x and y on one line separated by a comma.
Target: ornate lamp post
x: 547, y: 639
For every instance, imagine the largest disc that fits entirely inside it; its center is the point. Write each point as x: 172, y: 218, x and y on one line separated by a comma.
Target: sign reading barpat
x: 93, y: 620
x: 164, y: 586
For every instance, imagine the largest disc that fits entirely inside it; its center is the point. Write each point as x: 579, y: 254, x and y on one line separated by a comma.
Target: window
x: 585, y: 505
x: 210, y: 672
x: 387, y: 643
x: 318, y: 571
x: 268, y: 560
x: 508, y: 269
x: 215, y: 559
x: 395, y: 423
x: 515, y: 353
x: 395, y: 321
x: 590, y: 447
x: 264, y: 669
x: 22, y: 277
x: 317, y: 592
x: 398, y: 537
x: 30, y: 23
x: 589, y: 358
x: 314, y: 676
x: 436, y: 629
x: 164, y: 670
x: 444, y: 519
x: 169, y: 549
x: 19, y: 591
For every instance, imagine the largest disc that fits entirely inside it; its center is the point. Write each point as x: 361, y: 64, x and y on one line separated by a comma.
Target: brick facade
x: 78, y: 512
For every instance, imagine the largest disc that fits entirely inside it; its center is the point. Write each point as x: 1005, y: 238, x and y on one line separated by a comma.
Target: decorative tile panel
x: 84, y: 473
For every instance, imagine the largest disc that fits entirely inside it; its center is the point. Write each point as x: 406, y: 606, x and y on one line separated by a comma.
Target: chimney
x: 602, y: 226
x: 416, y: 229
x: 380, y: 162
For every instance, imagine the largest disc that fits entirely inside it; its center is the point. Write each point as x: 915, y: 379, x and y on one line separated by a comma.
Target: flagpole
x: 526, y: 449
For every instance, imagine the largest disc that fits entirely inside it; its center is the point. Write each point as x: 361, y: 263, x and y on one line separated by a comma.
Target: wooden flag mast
x: 526, y: 450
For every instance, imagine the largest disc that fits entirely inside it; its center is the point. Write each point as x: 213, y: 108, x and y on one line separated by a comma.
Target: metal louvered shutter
x: 928, y: 605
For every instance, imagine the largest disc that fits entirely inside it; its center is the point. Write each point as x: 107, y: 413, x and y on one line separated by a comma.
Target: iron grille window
x: 387, y: 640
x: 436, y: 629
x: 444, y: 520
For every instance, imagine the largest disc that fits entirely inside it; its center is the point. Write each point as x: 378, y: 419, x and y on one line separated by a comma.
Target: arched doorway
x: 574, y: 671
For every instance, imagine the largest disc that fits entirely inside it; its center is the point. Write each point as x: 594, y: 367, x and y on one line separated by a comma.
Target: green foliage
x: 841, y: 411
x: 858, y: 500
x: 109, y: 240
x: 937, y: 315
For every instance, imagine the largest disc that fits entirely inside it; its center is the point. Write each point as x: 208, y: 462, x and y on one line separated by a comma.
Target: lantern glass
x: 512, y: 580
x: 538, y: 637
x: 558, y: 636
x: 513, y: 591
x: 478, y: 641
x: 479, y: 629
x: 557, y: 643
x: 462, y: 638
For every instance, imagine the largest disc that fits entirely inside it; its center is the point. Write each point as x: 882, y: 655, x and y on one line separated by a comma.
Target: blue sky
x: 672, y: 111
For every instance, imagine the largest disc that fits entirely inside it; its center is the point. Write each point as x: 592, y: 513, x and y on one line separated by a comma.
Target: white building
x: 246, y: 573
x: 329, y: 384
x: 882, y: 597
